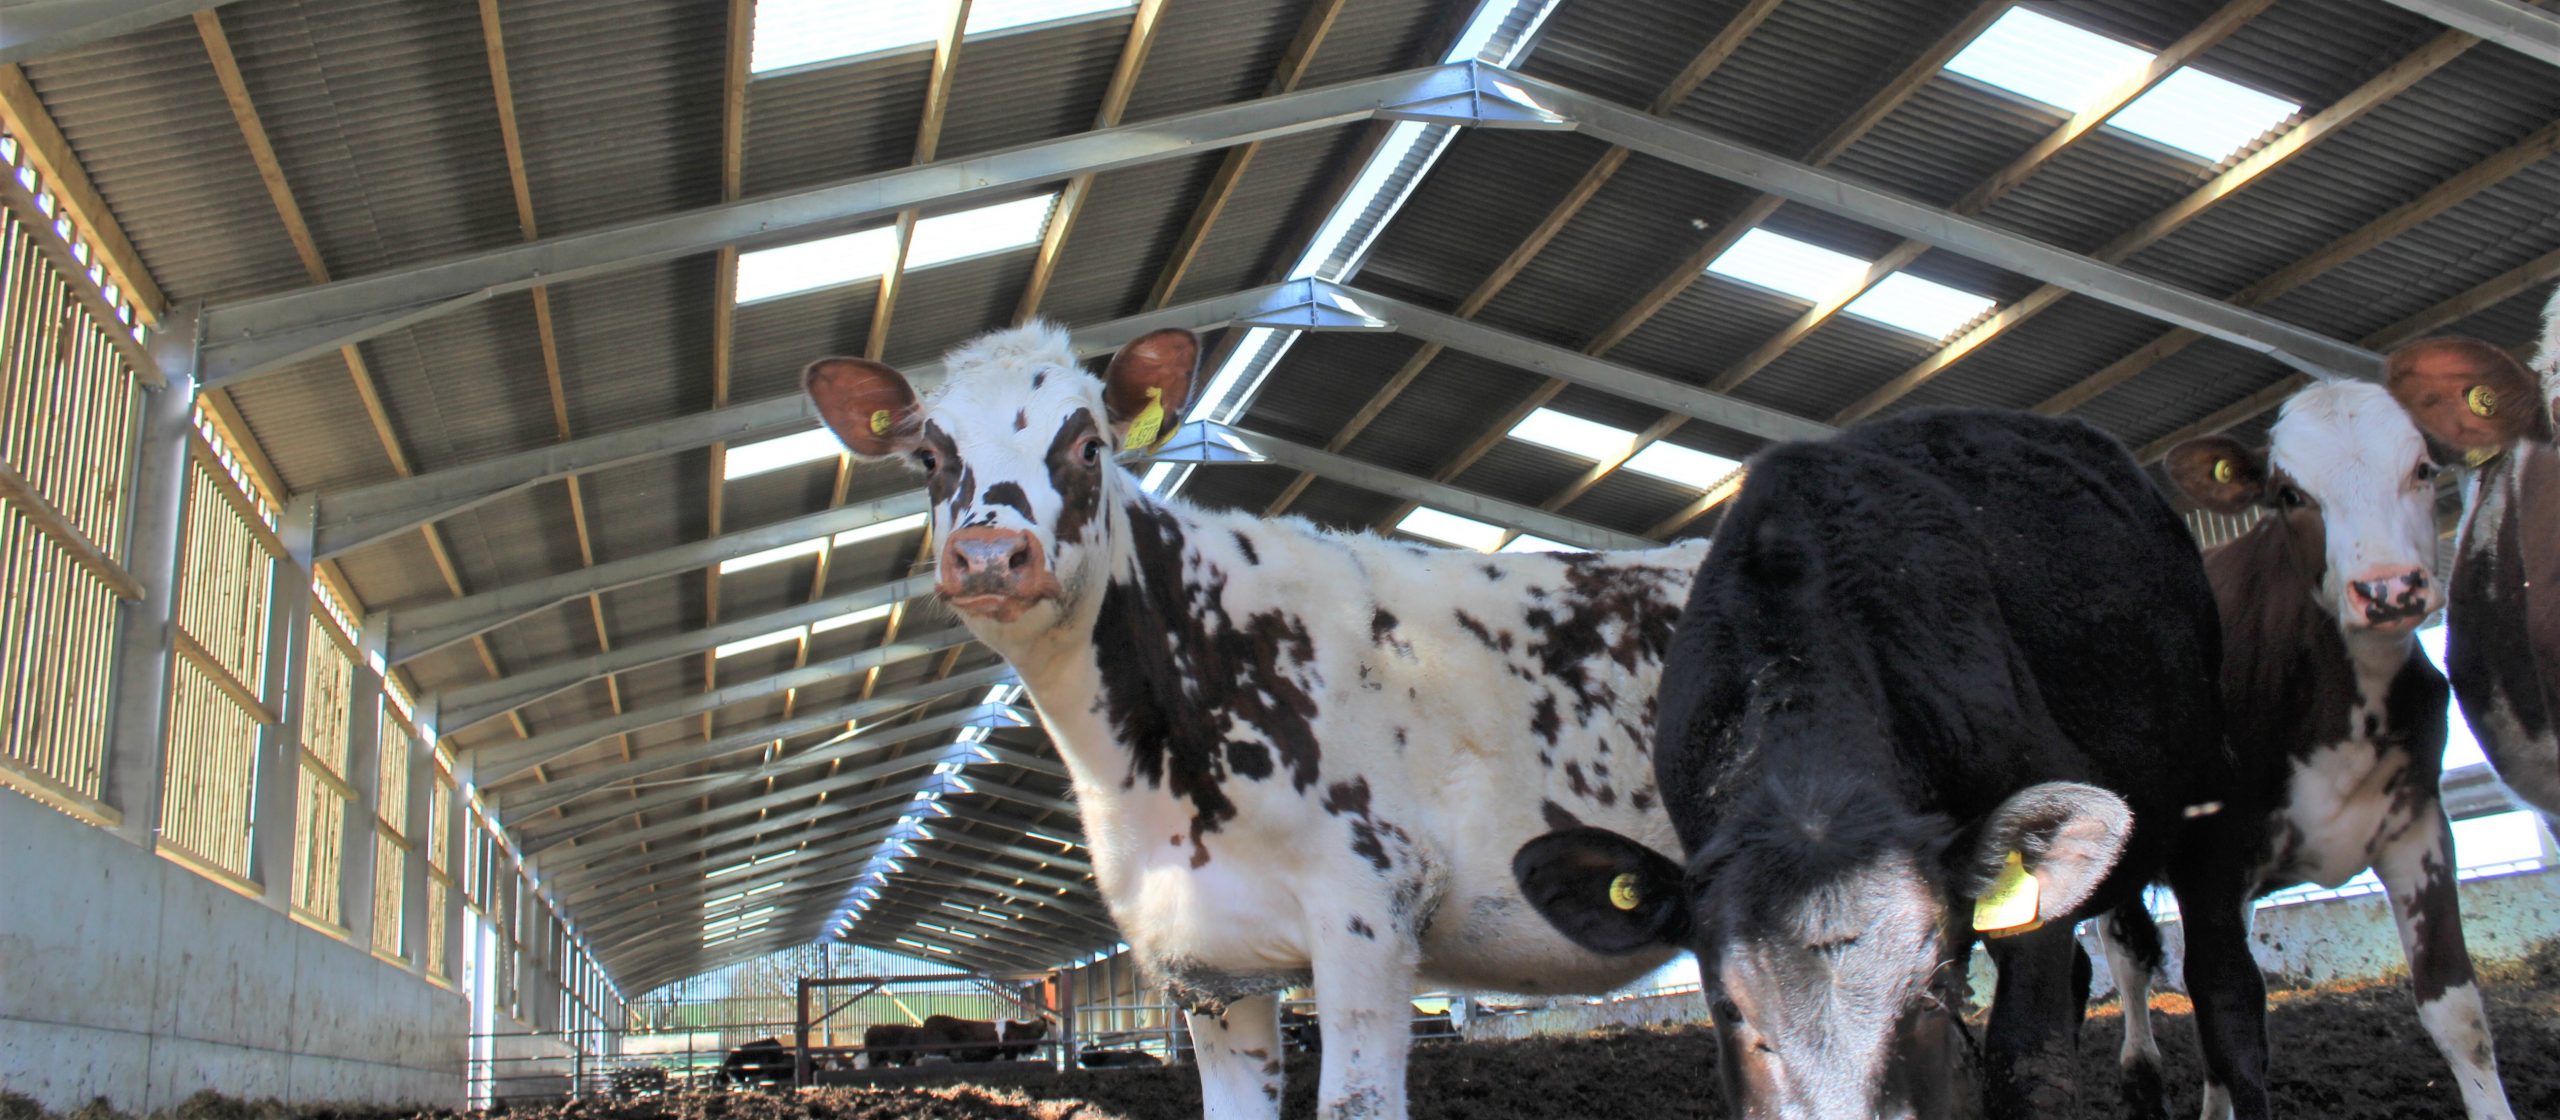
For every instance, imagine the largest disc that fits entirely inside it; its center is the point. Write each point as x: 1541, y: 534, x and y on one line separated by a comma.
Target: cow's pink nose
x: 985, y: 567
x: 2393, y: 598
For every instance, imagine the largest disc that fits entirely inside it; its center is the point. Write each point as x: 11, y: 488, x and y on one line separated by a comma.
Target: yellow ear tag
x: 2483, y: 401
x: 2223, y: 471
x: 2010, y: 905
x: 1622, y: 892
x: 2480, y: 456
x: 880, y: 421
x: 1142, y: 431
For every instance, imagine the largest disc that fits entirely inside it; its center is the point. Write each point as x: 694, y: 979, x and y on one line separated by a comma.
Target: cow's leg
x: 2417, y: 873
x: 2028, y: 1053
x: 2215, y: 904
x: 1364, y: 990
x: 1237, y: 1044
x: 2133, y: 954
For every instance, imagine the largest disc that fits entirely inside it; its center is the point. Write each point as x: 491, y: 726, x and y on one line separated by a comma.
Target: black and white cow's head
x: 2353, y: 483
x: 1019, y: 446
x: 1830, y: 931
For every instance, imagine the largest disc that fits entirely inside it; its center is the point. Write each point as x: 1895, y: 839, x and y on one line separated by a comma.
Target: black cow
x: 1925, y: 664
x: 892, y: 1044
x: 764, y: 1061
x: 1118, y: 1059
x: 981, y: 1040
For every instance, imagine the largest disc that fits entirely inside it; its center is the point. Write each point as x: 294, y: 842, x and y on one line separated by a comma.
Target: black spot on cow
x: 1574, y: 777
x: 1368, y: 834
x: 1399, y: 738
x: 1362, y: 928
x: 1613, y: 611
x: 1010, y: 496
x: 1500, y: 643
x: 1078, y: 484
x: 1558, y: 817
x: 1494, y: 572
x: 1244, y: 544
x: 1021, y: 419
x: 1039, y: 377
x: 950, y: 482
x: 1642, y: 799
x: 1544, y: 721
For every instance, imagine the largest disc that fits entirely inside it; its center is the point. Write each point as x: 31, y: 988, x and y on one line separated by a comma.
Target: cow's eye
x: 1091, y: 451
x: 2291, y: 498
x: 2424, y: 472
x: 925, y: 459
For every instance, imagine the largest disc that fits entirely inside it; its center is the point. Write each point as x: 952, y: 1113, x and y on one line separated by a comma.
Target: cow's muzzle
x: 2392, y: 599
x: 994, y: 573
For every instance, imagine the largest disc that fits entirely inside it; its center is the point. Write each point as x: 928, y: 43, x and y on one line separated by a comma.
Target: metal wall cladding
x: 499, y: 541
x: 1521, y: 472
x: 1707, y: 329
x: 635, y: 346
x: 1272, y: 211
x: 1626, y: 50
x: 1211, y: 52
x: 1946, y: 139
x: 1631, y: 501
x: 1379, y: 36
x: 1251, y: 488
x: 150, y: 126
x: 619, y: 106
x: 2032, y: 361
x: 2096, y: 189
x: 1812, y: 65
x: 1325, y: 379
x: 2314, y: 51
x: 946, y: 305
x: 2200, y: 380
x: 466, y: 385
x: 641, y: 507
x: 1123, y: 238
x: 312, y: 424
x: 777, y: 338
x: 1637, y: 230
x: 1348, y: 508
x: 1486, y: 194
x: 834, y: 120
x: 1014, y: 87
x: 1456, y: 398
x: 384, y: 121
x: 1836, y: 366
x: 2483, y: 239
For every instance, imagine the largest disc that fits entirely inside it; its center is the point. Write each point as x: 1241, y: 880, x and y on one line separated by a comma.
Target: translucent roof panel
x: 756, y: 458
x: 827, y: 261
x: 2202, y: 115
x: 1527, y: 543
x: 945, y: 238
x: 1688, y: 467
x: 1449, y: 528
x: 1780, y: 263
x: 2044, y: 59
x: 755, y: 560
x: 760, y: 641
x: 1572, y: 435
x: 1923, y: 307
x: 802, y: 32
x: 849, y: 618
x: 877, y: 530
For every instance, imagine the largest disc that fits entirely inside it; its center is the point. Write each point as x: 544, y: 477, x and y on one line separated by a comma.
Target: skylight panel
x: 802, y: 32
x: 2044, y: 59
x: 945, y: 238
x: 1573, y: 435
x: 2202, y: 115
x: 825, y: 262
x: 760, y: 641
x: 765, y: 456
x: 1923, y: 307
x: 1806, y: 271
x: 2500, y: 838
x: 889, y: 528
x: 1527, y: 543
x: 1671, y: 462
x: 1449, y: 528
x: 754, y: 560
x: 856, y: 618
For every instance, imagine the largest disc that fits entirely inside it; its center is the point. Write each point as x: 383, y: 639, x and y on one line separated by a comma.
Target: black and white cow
x: 1298, y: 754
x: 2503, y: 612
x: 1921, y: 651
x: 2335, y: 713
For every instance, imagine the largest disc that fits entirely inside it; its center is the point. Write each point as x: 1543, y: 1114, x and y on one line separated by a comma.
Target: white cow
x: 1298, y: 753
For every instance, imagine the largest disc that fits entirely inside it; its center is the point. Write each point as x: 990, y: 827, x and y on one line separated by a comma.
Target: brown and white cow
x: 2336, y: 715
x: 2503, y: 608
x: 1299, y: 754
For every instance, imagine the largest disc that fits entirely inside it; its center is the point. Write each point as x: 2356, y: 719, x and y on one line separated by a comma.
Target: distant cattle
x: 2503, y: 651
x: 981, y: 1040
x: 892, y: 1044
x: 1303, y: 756
x: 1301, y: 1031
x: 764, y: 1061
x: 2337, y: 715
x: 1118, y: 1059
x: 1941, y: 672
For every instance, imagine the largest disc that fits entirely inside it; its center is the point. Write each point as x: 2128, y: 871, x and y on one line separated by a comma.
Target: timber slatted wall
x: 226, y: 579
x: 68, y: 406
x: 391, y: 844
x: 320, y: 817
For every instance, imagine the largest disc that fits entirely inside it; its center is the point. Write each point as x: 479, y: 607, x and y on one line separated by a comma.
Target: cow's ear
x: 869, y: 406
x: 1607, y: 893
x: 2467, y: 393
x: 2064, y: 834
x: 2216, y: 472
x: 1149, y: 384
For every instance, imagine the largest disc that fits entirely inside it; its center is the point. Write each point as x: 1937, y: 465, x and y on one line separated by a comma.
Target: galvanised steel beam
x: 1044, y: 938
x: 649, y: 968
x: 521, y: 803
x: 258, y: 336
x: 464, y: 705
x: 1206, y: 441
x: 587, y: 850
x: 599, y: 908
x: 1693, y: 148
x: 351, y: 519
x: 1075, y: 927
x: 684, y: 919
x: 728, y: 845
x: 999, y: 846
x: 2527, y: 31
x: 1040, y: 878
x: 418, y: 631
x: 891, y: 918
x: 993, y: 817
x: 36, y: 28
x: 972, y: 957
x: 1086, y: 908
x: 998, y: 752
x: 502, y: 762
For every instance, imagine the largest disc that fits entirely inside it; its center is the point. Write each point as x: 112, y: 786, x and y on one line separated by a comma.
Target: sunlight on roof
x: 1573, y: 435
x: 754, y: 560
x: 1923, y: 307
x: 865, y: 254
x: 760, y: 641
x: 855, y: 618
x: 1449, y: 528
x: 2042, y: 58
x: 766, y: 456
x: 1688, y: 467
x: 1806, y: 271
x: 800, y: 32
x: 1527, y: 543
x: 2202, y: 115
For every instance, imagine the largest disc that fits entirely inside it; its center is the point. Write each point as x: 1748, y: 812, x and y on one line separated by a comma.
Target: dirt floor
x: 2340, y: 1054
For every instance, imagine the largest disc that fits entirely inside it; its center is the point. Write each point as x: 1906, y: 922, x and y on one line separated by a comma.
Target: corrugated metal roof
x: 618, y: 105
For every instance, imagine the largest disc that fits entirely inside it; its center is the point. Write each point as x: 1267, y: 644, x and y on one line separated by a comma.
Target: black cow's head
x: 1829, y: 938
x: 1019, y: 449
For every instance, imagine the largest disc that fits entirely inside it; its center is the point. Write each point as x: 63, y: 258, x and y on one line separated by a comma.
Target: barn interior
x: 436, y: 620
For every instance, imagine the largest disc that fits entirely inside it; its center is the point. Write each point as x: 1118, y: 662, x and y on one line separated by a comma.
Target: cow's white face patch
x: 2347, y: 451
